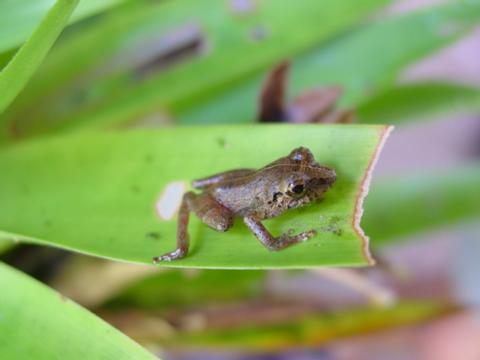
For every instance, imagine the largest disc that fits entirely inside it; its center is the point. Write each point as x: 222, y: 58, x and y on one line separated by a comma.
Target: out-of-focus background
x: 414, y: 64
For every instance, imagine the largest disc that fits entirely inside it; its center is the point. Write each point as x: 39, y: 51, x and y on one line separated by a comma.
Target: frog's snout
x: 327, y: 176
x: 330, y: 176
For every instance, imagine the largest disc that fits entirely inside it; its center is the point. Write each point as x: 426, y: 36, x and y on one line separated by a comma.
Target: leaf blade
x: 120, y: 178
x: 347, y: 61
x: 119, y: 94
x: 400, y: 208
x: 37, y: 322
x: 24, y: 63
x: 418, y: 101
x: 18, y: 18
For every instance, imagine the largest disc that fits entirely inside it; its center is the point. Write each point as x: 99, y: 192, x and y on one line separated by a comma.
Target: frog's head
x: 303, y: 179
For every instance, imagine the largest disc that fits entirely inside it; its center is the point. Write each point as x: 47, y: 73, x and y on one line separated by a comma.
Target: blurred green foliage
x: 312, y: 329
x: 417, y: 203
x: 23, y: 64
x: 97, y: 75
x: 419, y: 102
x: 126, y: 63
x: 162, y: 290
x: 19, y: 18
x: 38, y: 323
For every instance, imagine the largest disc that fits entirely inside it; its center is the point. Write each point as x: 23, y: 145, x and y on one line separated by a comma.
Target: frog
x: 254, y: 195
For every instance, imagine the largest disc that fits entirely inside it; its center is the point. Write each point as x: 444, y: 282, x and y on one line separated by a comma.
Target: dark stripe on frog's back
x: 222, y: 178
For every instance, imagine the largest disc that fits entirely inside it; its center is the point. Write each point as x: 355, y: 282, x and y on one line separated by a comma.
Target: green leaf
x: 111, y: 58
x: 97, y: 193
x: 18, y: 18
x: 38, y: 323
x: 154, y: 292
x: 363, y: 62
x: 418, y: 101
x: 22, y: 66
x: 306, y: 330
x: 5, y: 245
x: 312, y: 330
x: 417, y: 203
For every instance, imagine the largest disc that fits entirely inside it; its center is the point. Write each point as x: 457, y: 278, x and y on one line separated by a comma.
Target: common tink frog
x: 254, y: 195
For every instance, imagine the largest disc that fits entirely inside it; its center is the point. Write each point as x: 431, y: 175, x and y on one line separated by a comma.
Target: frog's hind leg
x: 182, y: 233
x: 211, y: 212
x: 208, y: 210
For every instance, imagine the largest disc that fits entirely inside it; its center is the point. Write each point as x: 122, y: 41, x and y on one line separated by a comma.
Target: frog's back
x: 241, y: 196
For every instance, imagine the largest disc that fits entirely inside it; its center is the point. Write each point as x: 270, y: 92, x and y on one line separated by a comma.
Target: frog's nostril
x: 332, y: 178
x: 327, y: 179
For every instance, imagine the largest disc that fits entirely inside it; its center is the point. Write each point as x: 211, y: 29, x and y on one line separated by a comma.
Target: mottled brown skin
x: 290, y: 182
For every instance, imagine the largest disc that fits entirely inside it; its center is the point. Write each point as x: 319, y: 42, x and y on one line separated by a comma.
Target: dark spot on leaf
x: 153, y: 235
x: 47, y: 223
x: 258, y: 33
x: 333, y: 226
x: 149, y: 158
x: 222, y: 142
x: 334, y: 220
x: 135, y: 189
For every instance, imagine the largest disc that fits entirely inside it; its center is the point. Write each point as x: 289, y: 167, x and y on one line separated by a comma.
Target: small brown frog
x: 290, y: 182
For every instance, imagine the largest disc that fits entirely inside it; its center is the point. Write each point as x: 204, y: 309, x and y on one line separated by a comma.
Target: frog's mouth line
x: 363, y: 192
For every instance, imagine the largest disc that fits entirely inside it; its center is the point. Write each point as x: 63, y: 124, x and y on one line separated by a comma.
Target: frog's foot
x: 288, y: 239
x: 173, y: 255
x: 272, y: 243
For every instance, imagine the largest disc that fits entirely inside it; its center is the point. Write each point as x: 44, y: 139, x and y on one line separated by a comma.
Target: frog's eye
x: 296, y: 189
x: 301, y: 154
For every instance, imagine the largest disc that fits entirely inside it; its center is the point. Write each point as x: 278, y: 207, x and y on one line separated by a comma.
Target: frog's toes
x: 177, y: 254
x: 158, y: 259
x: 222, y: 226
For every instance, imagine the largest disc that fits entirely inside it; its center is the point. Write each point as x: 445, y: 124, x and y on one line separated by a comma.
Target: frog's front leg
x: 208, y: 210
x: 269, y: 241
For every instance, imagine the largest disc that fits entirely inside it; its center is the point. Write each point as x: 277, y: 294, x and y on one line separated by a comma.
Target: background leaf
x: 97, y: 193
x: 403, y: 207
x: 364, y: 62
x: 36, y: 322
x: 24, y: 63
x: 120, y: 58
x: 311, y: 329
x: 418, y: 101
x: 194, y: 290
x: 18, y: 18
